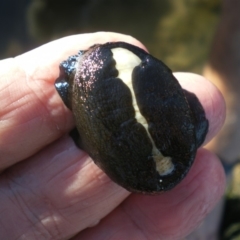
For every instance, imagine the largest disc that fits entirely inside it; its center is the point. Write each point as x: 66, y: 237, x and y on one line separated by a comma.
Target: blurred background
x: 171, y: 30
x: 200, y: 36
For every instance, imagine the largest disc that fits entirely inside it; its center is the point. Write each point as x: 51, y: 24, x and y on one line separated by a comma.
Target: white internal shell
x: 126, y: 61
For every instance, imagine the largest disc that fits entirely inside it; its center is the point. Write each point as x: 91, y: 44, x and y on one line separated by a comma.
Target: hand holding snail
x: 52, y: 188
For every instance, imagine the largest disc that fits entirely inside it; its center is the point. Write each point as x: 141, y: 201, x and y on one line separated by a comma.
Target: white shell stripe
x: 126, y: 61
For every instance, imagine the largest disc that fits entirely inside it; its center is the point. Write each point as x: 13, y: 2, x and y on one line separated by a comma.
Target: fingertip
x: 210, y: 97
x: 207, y: 173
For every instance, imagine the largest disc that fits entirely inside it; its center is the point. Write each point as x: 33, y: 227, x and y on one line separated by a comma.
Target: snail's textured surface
x: 134, y: 119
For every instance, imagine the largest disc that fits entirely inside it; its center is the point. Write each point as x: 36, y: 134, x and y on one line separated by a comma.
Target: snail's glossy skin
x: 134, y: 119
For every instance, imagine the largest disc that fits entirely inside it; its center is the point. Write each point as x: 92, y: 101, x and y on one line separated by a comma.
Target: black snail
x: 133, y: 118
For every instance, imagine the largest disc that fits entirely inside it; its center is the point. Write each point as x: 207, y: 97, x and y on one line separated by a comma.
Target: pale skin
x: 50, y: 189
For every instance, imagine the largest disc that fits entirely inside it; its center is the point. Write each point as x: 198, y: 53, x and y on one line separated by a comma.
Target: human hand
x: 50, y: 189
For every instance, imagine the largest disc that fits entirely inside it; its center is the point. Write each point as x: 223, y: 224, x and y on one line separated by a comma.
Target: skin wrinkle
x: 75, y: 167
x: 90, y: 204
x: 56, y: 216
x: 72, y: 166
x: 21, y: 207
x: 103, y: 199
x: 150, y: 222
x: 11, y: 183
x: 12, y: 85
x: 47, y: 108
x: 53, y: 158
x: 12, y: 107
x: 37, y: 233
x: 23, y: 120
x: 88, y: 219
x: 193, y: 190
x: 143, y: 216
x: 70, y: 194
x: 34, y: 70
x: 174, y: 225
x: 115, y: 234
x: 6, y: 138
x: 58, y: 173
x: 133, y: 221
x: 100, y: 176
x: 5, y: 90
x: 36, y: 221
x: 10, y: 113
x: 53, y: 229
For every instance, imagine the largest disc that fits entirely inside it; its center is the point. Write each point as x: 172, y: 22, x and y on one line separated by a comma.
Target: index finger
x: 32, y: 114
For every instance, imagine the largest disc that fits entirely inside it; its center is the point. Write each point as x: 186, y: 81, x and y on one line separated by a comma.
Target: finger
x: 32, y: 114
x: 210, y: 98
x: 61, y: 188
x: 171, y: 215
x: 55, y: 194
